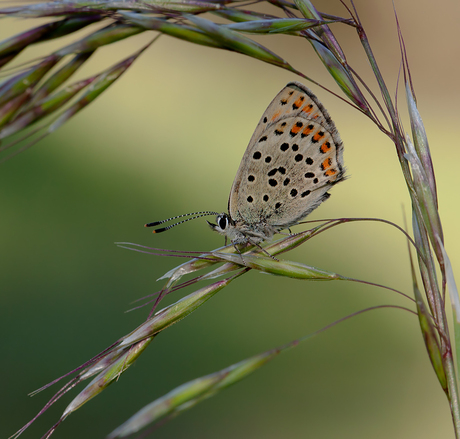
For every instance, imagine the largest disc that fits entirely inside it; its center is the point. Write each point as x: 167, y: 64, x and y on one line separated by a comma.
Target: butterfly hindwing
x: 293, y: 158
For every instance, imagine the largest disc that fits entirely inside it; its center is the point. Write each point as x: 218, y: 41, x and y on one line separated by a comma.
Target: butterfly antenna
x: 196, y: 215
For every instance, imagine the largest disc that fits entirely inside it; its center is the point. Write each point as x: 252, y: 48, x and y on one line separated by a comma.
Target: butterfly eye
x: 222, y: 221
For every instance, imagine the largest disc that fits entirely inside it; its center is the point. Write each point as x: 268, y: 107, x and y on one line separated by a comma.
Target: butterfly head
x: 226, y: 226
x: 224, y: 223
x: 241, y: 233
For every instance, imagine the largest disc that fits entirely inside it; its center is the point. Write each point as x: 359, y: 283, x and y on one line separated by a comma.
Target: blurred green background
x: 167, y: 139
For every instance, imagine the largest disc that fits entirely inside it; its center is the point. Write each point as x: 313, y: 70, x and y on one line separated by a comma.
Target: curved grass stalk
x: 39, y: 89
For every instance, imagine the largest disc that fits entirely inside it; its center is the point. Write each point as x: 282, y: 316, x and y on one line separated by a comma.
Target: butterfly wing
x: 295, y: 155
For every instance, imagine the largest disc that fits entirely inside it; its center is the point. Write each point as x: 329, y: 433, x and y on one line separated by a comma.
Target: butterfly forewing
x: 293, y: 158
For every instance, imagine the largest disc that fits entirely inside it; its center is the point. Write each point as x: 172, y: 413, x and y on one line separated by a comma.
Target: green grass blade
x: 340, y: 74
x: 274, y: 26
x: 54, y: 8
x: 18, y: 84
x: 104, y: 81
x: 107, y: 35
x: 46, y: 107
x: 10, y: 109
x: 71, y: 25
x: 277, y: 247
x: 429, y: 336
x: 108, y: 376
x: 175, y: 312
x: 240, y: 16
x: 234, y: 41
x: 11, y: 47
x: 189, y: 6
x: 18, y: 42
x: 178, y: 399
x: 291, y: 269
x: 455, y: 301
x: 59, y: 77
x: 180, y: 31
x: 191, y: 393
x: 309, y: 11
x: 420, y: 139
x: 425, y: 199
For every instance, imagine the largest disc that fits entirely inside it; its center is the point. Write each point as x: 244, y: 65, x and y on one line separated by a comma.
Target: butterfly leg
x: 238, y: 251
x: 284, y: 233
x: 263, y: 250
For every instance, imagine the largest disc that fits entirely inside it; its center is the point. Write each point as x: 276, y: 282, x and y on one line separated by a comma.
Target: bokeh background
x: 167, y: 139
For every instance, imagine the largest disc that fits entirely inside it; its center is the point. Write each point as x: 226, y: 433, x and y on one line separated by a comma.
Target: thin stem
x: 349, y: 316
x: 380, y: 286
x: 379, y: 105
x: 337, y: 221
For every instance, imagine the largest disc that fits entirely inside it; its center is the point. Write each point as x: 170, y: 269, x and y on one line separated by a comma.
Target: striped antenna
x: 196, y: 215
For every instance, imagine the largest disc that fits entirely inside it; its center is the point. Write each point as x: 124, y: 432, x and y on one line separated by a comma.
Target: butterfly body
x: 294, y: 157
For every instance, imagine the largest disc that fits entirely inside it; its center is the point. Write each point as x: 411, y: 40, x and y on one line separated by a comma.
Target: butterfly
x: 293, y: 158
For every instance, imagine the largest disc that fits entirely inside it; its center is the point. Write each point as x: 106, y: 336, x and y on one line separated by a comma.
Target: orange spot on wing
x: 318, y: 136
x: 326, y: 163
x: 330, y: 172
x: 307, y: 130
x: 298, y: 103
x: 295, y: 129
x: 276, y: 115
x: 307, y: 109
x: 325, y: 147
